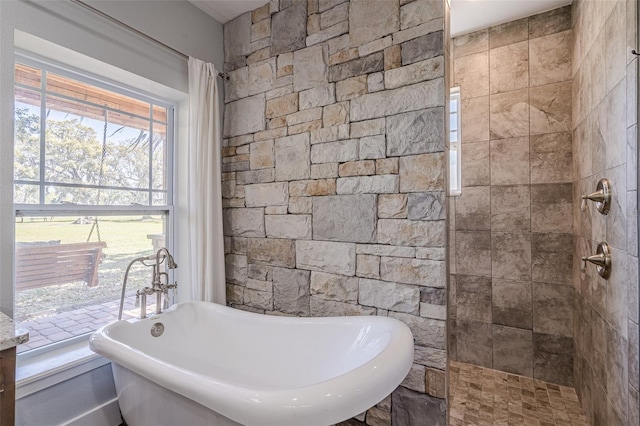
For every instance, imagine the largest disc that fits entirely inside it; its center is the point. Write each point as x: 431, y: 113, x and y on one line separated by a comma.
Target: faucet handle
x: 602, y: 196
x: 602, y: 260
x: 137, y: 304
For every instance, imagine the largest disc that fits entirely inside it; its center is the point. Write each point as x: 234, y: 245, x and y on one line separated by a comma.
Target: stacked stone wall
x: 334, y: 173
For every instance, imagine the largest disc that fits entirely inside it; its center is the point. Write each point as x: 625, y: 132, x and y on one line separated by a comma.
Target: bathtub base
x: 142, y: 402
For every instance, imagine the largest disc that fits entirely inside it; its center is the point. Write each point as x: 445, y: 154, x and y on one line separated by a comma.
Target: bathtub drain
x: 157, y: 329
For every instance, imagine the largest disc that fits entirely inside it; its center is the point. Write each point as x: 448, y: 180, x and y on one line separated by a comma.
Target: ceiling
x: 472, y: 15
x: 466, y: 15
x: 225, y: 10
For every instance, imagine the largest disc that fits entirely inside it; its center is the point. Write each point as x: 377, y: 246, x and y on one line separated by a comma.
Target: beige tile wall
x: 605, y: 142
x: 511, y: 304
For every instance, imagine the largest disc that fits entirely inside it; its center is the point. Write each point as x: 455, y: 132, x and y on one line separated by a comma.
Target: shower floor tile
x: 480, y: 396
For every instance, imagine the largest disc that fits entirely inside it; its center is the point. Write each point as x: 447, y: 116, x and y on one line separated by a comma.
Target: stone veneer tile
x: 421, y: 11
x: 388, y: 295
x: 401, y: 232
x: 334, y: 287
x: 236, y: 86
x: 414, y: 73
x: 392, y: 206
x: 267, y: 194
x: 291, y: 291
x: 429, y: 94
x: 421, y: 272
x: 244, y: 116
x: 411, y: 408
x: 364, y: 65
x: 270, y: 251
x: 331, y: 308
x: 292, y: 157
x: 325, y: 256
x: 244, y: 222
x: 349, y: 218
x: 237, y: 37
x: 310, y: 68
x: 426, y: 331
x: 288, y: 226
x: 423, y: 172
x: 334, y: 15
x: 335, y: 152
x: 236, y: 269
x: 421, y: 48
x: 289, y: 29
x: 368, y: 23
x: 427, y: 206
x: 415, y: 132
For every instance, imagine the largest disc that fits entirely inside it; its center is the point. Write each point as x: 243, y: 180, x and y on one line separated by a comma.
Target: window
x: 92, y: 191
x: 455, y: 151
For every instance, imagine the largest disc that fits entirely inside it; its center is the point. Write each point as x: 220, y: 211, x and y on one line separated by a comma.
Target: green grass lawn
x: 126, y: 239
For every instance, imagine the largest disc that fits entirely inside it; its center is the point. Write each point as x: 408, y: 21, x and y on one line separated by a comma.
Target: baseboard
x: 107, y: 414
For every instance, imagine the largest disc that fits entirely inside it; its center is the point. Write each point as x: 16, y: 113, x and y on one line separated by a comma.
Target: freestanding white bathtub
x: 214, y: 365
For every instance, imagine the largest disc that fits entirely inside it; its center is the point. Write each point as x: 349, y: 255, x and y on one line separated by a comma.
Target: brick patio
x: 64, y: 325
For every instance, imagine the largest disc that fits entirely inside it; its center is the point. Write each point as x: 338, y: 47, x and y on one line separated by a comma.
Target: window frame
x: 47, y: 65
x: 455, y: 146
x: 42, y: 209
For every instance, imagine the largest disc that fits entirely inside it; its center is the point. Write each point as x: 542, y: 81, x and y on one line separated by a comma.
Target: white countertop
x: 10, y: 335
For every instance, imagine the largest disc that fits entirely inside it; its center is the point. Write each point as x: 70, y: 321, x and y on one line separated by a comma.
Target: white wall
x: 178, y: 24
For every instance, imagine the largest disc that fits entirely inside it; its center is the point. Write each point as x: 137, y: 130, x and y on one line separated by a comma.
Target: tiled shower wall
x: 605, y: 145
x: 511, y: 299
x: 334, y: 173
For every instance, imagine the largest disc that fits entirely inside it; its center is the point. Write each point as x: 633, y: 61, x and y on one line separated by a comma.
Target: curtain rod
x: 136, y: 31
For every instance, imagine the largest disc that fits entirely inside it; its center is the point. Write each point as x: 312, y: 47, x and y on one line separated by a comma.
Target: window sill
x: 50, y: 368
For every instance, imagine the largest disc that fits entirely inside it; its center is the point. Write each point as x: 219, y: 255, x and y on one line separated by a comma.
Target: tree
x: 73, y: 155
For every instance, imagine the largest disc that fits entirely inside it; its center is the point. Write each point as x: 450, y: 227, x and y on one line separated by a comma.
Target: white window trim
x: 456, y: 146
x: 49, y: 368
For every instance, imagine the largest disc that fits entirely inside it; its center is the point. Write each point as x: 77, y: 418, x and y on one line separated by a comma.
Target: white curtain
x: 206, y: 255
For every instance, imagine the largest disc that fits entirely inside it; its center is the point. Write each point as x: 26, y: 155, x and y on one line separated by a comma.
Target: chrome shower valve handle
x: 602, y: 196
x: 602, y: 260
